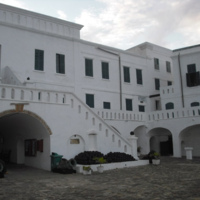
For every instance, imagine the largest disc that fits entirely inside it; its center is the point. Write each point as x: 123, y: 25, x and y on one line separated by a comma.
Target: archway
x: 190, y: 137
x: 26, y: 137
x: 161, y: 141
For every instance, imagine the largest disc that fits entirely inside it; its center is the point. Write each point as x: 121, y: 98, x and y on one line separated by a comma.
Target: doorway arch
x: 27, y: 137
x: 161, y: 141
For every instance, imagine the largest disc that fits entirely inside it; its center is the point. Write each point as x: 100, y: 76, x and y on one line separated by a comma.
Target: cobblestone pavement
x: 174, y: 178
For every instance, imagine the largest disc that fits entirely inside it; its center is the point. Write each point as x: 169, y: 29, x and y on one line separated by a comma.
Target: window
x: 89, y: 67
x: 106, y: 105
x: 126, y: 74
x: 129, y: 104
x: 169, y: 83
x: 105, y: 70
x: 39, y: 60
x: 31, y: 147
x: 141, y: 108
x: 60, y: 64
x: 139, y: 76
x: 191, y: 68
x: 195, y: 104
x: 192, y: 77
x: 157, y: 84
x: 169, y: 106
x: 90, y: 100
x: 157, y: 103
x: 168, y: 66
x: 156, y: 63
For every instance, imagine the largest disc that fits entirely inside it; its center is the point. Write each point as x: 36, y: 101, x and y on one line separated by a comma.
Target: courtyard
x: 174, y: 178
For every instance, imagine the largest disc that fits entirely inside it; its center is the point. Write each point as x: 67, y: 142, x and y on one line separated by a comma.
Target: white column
x: 133, y: 141
x: 176, y: 146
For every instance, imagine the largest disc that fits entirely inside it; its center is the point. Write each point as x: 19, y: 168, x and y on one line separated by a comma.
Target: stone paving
x: 174, y: 178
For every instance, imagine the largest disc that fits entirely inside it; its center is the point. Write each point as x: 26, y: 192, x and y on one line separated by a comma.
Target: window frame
x: 106, y: 105
x: 194, y: 104
x: 169, y: 106
x: 126, y: 71
x: 139, y: 78
x: 60, y: 63
x: 157, y: 84
x: 89, y: 67
x: 129, y: 104
x: 89, y: 99
x: 105, y: 70
x: 141, y: 108
x: 168, y: 66
x: 156, y: 64
x: 169, y: 83
x: 191, y: 68
x: 39, y: 60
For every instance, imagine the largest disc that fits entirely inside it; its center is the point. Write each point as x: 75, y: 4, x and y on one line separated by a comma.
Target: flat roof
x: 190, y: 47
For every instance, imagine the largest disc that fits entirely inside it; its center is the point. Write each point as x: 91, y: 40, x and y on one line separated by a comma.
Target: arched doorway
x: 26, y: 137
x: 190, y: 137
x: 161, y: 141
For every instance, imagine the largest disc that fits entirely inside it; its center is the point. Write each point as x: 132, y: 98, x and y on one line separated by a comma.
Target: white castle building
x: 59, y: 93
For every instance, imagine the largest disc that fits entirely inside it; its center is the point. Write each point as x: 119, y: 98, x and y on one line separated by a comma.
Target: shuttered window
x: 168, y: 66
x: 60, y: 63
x: 141, y: 108
x: 139, y: 76
x: 126, y: 74
x: 89, y: 67
x: 156, y: 63
x: 193, y: 79
x: 129, y: 105
x: 106, y: 105
x: 39, y: 60
x: 169, y: 83
x: 105, y: 70
x: 195, y: 104
x: 191, y: 68
x: 157, y: 84
x: 169, y: 106
x: 90, y: 100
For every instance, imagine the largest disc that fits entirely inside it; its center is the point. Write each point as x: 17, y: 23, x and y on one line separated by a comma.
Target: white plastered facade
x: 55, y: 108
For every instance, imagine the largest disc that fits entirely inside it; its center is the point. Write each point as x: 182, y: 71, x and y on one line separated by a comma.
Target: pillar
x: 133, y: 141
x: 176, y: 146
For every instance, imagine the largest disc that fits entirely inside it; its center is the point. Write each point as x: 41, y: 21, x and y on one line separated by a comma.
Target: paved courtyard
x: 174, y: 179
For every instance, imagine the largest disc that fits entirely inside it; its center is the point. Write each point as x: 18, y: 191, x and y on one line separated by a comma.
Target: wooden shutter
x: 126, y: 75
x: 105, y: 70
x: 191, y: 68
x: 39, y: 60
x: 193, y: 79
x: 156, y: 63
x: 139, y: 76
x: 195, y: 104
x: 141, y: 108
x: 106, y: 105
x: 90, y: 100
x: 40, y: 145
x: 157, y: 84
x: 60, y: 63
x: 129, y: 104
x: 169, y: 106
x: 88, y: 67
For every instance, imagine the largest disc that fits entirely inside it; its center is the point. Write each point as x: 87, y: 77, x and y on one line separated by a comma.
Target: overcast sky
x: 126, y: 23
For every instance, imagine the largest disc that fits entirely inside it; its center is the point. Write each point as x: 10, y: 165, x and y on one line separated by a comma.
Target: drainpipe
x: 181, y: 80
x: 120, y: 73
